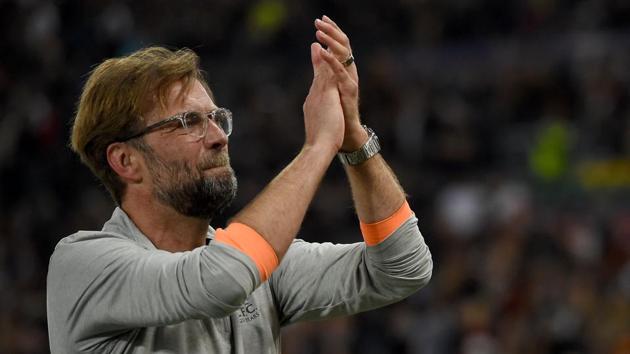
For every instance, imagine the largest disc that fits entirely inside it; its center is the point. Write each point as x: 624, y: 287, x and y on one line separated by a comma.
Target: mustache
x: 220, y: 160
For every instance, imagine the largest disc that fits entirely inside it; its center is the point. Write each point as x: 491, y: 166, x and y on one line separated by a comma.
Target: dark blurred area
x: 508, y: 124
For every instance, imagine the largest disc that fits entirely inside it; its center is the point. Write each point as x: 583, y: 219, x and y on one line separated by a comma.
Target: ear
x: 125, y: 161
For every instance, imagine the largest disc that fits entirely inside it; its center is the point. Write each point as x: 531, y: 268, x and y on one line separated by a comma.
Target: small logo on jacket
x: 248, y: 312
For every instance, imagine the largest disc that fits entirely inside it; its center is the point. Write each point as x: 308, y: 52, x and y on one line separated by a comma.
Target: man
x: 158, y: 279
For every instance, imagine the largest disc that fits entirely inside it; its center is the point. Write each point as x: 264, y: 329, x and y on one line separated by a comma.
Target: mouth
x: 221, y: 161
x: 215, y: 167
x: 217, y: 171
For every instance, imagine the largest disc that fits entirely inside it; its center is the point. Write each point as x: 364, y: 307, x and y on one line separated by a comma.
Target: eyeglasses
x: 194, y: 124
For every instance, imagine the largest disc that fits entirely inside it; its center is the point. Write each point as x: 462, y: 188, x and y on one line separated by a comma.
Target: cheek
x: 169, y: 142
x: 170, y: 148
x: 175, y: 154
x: 178, y: 156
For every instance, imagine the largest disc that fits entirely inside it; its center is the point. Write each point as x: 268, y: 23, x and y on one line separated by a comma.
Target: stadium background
x: 507, y: 122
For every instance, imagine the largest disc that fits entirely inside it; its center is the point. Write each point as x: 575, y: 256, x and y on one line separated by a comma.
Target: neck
x: 166, y: 228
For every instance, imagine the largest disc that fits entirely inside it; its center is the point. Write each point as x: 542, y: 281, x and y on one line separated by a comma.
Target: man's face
x: 193, y: 176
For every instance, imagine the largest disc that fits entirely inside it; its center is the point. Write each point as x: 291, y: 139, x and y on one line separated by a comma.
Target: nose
x: 215, y: 137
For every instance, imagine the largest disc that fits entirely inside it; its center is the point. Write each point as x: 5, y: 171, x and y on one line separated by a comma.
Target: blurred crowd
x: 507, y: 122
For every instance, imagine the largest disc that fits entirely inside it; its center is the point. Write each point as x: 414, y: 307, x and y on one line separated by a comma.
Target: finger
x: 333, y: 32
x: 339, y: 50
x: 329, y: 20
x: 348, y: 88
x: 316, y: 58
x: 339, y: 70
x: 321, y: 71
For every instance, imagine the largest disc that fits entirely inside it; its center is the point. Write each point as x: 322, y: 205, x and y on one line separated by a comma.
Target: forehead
x: 180, y: 98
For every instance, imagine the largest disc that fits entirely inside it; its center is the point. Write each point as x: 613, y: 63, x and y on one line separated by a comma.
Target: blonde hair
x: 116, y: 95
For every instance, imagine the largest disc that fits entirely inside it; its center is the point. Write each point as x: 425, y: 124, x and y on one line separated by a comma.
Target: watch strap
x: 366, y: 152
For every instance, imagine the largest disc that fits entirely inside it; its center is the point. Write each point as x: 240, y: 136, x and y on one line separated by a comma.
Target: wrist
x: 355, y: 137
x: 320, y: 149
x: 370, y: 148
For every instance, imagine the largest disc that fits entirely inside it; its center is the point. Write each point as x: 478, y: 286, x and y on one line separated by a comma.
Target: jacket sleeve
x: 103, y: 283
x: 318, y: 281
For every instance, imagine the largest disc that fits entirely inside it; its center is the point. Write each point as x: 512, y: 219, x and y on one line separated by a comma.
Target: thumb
x: 316, y: 58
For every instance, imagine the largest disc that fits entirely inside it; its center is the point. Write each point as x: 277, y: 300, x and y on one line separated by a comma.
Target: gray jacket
x: 112, y: 291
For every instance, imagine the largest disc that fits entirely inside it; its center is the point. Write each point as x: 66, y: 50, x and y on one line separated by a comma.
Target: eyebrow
x: 200, y: 109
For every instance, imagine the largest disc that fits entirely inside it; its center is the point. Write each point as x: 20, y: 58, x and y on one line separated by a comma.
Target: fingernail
x: 326, y: 17
x: 317, y: 20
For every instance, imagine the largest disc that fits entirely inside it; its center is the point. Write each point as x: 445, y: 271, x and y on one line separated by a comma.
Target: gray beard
x: 188, y: 191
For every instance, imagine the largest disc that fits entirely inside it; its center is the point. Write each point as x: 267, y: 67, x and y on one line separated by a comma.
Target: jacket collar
x: 122, y: 224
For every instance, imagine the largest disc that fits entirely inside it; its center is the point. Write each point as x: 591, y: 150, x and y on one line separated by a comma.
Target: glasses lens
x: 195, y: 124
x: 223, y: 118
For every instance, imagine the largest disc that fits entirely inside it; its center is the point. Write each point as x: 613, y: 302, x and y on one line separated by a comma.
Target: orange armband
x: 375, y: 233
x: 250, y: 242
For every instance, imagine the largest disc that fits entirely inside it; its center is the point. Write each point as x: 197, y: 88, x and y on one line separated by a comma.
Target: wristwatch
x: 369, y: 149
